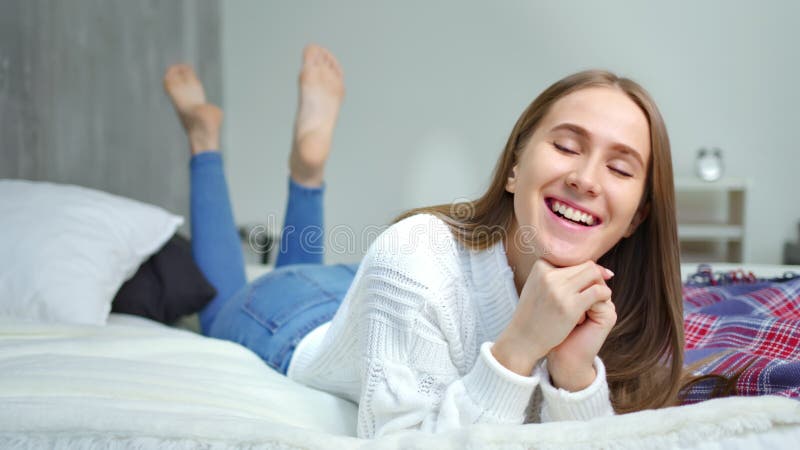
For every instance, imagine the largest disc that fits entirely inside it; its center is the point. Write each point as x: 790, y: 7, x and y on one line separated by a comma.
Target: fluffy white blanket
x: 138, y: 384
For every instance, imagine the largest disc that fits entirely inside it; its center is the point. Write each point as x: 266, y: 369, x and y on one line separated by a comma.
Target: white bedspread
x: 135, y: 383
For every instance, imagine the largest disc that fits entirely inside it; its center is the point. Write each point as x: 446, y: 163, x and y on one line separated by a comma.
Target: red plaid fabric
x: 749, y: 327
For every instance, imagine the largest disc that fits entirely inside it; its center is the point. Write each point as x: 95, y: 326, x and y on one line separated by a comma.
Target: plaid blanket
x: 750, y: 326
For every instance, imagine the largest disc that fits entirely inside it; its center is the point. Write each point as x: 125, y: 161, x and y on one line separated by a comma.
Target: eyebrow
x: 577, y: 129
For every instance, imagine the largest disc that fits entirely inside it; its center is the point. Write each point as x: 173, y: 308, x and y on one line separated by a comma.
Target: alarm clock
x: 709, y: 164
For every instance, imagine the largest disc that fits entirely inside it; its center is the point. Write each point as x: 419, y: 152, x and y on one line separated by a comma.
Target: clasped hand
x: 564, y: 314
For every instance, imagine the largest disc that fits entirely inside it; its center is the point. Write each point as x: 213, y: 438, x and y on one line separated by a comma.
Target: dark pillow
x: 167, y: 286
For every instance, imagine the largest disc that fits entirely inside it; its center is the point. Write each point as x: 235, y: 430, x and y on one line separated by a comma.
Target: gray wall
x: 81, y: 98
x: 434, y: 87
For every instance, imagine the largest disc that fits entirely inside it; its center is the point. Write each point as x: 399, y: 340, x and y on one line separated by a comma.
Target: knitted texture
x: 411, y: 342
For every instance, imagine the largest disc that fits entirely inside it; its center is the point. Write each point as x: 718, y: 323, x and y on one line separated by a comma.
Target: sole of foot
x: 201, y: 120
x: 321, y: 92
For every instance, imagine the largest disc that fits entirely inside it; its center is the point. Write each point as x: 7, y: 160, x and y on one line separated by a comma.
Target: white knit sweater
x: 411, y: 342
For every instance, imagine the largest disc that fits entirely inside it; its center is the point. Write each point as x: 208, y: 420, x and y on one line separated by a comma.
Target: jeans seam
x: 269, y: 322
x: 320, y: 297
x: 250, y: 312
x: 326, y: 296
x: 279, y: 358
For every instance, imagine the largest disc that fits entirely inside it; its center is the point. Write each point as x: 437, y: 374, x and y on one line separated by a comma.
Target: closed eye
x: 564, y: 149
x: 613, y: 169
x: 624, y: 174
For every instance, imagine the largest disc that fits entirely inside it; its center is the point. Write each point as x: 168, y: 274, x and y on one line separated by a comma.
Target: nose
x: 583, y: 179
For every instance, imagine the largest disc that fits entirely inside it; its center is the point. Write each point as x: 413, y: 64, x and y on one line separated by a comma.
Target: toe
x: 325, y: 62
x: 320, y: 67
x: 171, y: 73
x: 186, y: 73
x: 337, y: 67
x: 307, y: 51
x: 326, y: 54
x: 178, y: 73
x: 311, y: 55
x: 331, y: 61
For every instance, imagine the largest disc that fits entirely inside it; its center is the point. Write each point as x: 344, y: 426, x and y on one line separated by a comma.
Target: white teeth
x: 572, y: 214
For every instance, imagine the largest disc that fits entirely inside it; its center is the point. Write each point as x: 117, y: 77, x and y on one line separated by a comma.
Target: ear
x: 511, y: 182
x: 638, y: 218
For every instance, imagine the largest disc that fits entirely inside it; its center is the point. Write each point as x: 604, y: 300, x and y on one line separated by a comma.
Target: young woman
x: 563, y: 275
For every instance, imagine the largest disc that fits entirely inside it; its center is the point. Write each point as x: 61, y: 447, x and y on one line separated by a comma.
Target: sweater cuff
x: 497, y: 390
x: 560, y: 404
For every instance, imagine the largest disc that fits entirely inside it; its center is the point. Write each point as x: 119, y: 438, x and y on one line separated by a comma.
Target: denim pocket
x: 281, y: 295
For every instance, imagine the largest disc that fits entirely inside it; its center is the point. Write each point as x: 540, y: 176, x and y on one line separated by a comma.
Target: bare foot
x: 321, y: 94
x: 200, y: 119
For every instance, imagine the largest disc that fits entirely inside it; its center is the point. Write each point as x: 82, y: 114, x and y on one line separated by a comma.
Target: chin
x: 564, y: 261
x: 566, y: 255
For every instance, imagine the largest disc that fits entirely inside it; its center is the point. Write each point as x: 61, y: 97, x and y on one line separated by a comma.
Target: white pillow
x: 65, y: 250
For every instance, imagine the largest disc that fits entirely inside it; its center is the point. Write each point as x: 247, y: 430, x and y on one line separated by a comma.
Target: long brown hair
x: 643, y: 354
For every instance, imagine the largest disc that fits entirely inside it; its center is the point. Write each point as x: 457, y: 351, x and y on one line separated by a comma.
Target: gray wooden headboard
x: 81, y: 100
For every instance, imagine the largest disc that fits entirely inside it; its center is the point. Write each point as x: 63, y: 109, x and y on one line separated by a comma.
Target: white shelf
x: 702, y: 232
x: 723, y: 184
x: 712, y: 218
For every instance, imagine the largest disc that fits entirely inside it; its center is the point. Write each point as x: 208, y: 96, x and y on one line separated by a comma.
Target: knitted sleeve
x: 559, y: 404
x: 413, y: 369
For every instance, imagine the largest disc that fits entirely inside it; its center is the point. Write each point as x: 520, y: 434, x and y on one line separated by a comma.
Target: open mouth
x: 571, y: 214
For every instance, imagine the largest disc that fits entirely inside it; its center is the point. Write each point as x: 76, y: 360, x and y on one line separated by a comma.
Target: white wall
x: 434, y: 87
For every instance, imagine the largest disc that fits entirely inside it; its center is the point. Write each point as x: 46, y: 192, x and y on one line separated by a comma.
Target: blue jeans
x: 273, y: 313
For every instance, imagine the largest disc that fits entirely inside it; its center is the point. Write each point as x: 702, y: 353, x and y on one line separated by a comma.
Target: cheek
x: 545, y: 162
x: 626, y: 203
x: 538, y: 173
x: 523, y: 204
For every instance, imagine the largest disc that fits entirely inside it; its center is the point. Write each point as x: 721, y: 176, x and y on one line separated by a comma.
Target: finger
x: 570, y: 271
x: 540, y: 268
x: 591, y: 274
x: 602, y: 306
x: 543, y: 265
x: 603, y: 313
x: 598, y: 311
x: 596, y: 293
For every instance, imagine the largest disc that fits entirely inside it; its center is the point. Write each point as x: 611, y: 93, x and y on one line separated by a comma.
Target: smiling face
x: 588, y: 161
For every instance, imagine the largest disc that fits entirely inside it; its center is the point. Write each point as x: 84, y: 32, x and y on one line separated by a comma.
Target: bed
x: 135, y: 383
